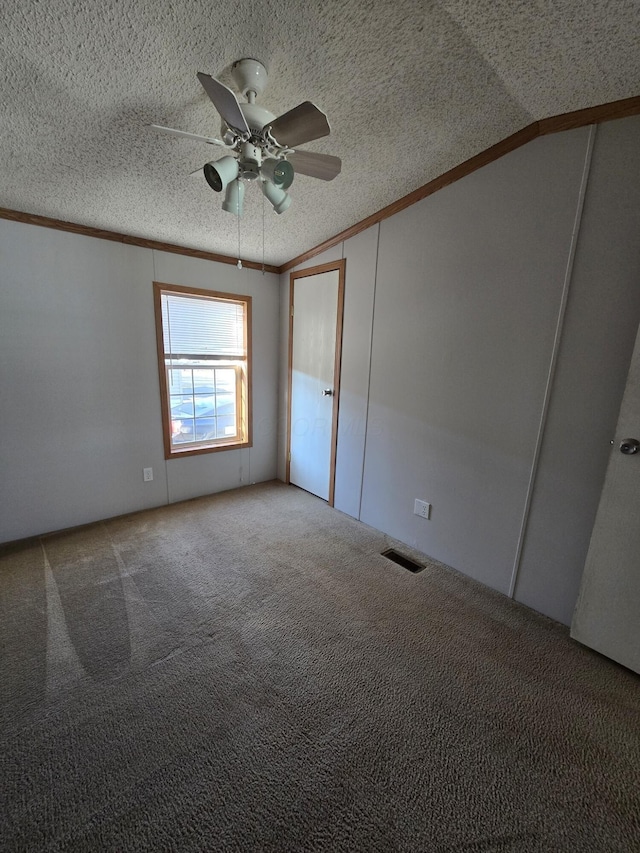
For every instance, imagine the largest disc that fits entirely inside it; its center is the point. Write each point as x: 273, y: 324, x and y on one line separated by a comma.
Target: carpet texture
x: 245, y: 672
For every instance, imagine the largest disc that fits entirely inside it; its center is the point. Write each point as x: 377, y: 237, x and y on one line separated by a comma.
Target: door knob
x: 328, y: 392
x: 629, y: 446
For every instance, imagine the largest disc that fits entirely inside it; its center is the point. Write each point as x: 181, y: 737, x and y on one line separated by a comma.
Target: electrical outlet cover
x: 421, y: 508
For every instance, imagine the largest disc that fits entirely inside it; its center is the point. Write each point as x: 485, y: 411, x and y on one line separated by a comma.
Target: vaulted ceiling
x: 411, y: 89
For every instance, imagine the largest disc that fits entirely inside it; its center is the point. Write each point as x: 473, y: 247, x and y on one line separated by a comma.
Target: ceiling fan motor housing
x: 256, y: 116
x: 252, y: 155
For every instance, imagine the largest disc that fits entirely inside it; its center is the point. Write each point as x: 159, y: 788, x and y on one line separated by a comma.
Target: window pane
x: 180, y: 380
x: 205, y: 429
x: 181, y: 407
x: 226, y: 404
x: 226, y: 426
x: 182, y: 430
x: 205, y: 406
x: 225, y: 380
x: 203, y: 380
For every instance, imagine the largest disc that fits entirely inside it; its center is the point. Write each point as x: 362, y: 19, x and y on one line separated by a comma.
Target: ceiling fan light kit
x: 260, y: 144
x: 280, y: 200
x: 234, y: 198
x: 279, y: 172
x: 219, y: 173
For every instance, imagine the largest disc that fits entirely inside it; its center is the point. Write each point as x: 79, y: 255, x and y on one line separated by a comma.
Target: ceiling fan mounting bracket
x: 249, y: 75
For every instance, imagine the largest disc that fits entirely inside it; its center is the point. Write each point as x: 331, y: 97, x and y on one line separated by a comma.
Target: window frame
x: 244, y: 411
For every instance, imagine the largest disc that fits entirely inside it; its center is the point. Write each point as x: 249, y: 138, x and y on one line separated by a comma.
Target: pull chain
x: 263, y: 234
x: 239, y: 264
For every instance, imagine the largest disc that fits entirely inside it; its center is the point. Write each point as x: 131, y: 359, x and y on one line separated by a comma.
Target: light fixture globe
x: 234, y: 198
x: 279, y: 199
x: 219, y: 173
x: 279, y: 172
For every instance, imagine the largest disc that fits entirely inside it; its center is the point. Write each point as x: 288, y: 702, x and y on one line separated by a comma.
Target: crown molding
x: 555, y: 124
x: 101, y: 234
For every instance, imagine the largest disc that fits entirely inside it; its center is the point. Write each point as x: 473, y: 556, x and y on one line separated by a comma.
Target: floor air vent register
x: 403, y: 561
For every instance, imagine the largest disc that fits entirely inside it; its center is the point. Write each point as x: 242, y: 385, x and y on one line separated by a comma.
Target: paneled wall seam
x: 554, y: 358
x: 366, y: 420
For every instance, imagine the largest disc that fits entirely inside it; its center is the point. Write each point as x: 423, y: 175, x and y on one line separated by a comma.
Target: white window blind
x: 201, y: 326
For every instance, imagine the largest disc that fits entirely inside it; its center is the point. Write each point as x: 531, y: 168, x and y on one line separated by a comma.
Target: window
x: 204, y: 355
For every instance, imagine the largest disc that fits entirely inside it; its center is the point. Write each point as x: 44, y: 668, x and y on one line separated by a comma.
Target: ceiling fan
x: 262, y: 147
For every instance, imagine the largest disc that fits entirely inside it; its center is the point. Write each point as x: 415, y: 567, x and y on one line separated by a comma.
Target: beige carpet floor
x: 245, y: 672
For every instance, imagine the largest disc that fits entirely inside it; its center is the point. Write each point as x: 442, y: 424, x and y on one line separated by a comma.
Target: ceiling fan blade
x: 323, y: 166
x: 170, y: 130
x: 225, y: 101
x: 303, y: 123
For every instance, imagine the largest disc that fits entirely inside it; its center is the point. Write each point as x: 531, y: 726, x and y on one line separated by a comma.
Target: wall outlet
x: 422, y: 508
x: 147, y: 474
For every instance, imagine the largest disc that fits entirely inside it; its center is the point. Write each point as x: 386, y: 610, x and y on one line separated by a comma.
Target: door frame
x: 340, y: 267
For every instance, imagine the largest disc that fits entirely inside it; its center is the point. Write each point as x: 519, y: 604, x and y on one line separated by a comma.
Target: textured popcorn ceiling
x: 411, y: 89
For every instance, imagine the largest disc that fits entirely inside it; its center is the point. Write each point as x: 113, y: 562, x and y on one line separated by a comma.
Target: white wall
x: 451, y: 309
x: 602, y: 318
x: 468, y: 288
x: 79, y: 394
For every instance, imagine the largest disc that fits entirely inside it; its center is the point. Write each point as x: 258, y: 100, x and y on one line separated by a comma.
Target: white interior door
x: 313, y: 392
x: 607, y: 616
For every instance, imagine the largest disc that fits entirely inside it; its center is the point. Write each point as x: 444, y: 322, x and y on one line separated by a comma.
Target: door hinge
x: 292, y: 310
x: 289, y: 456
